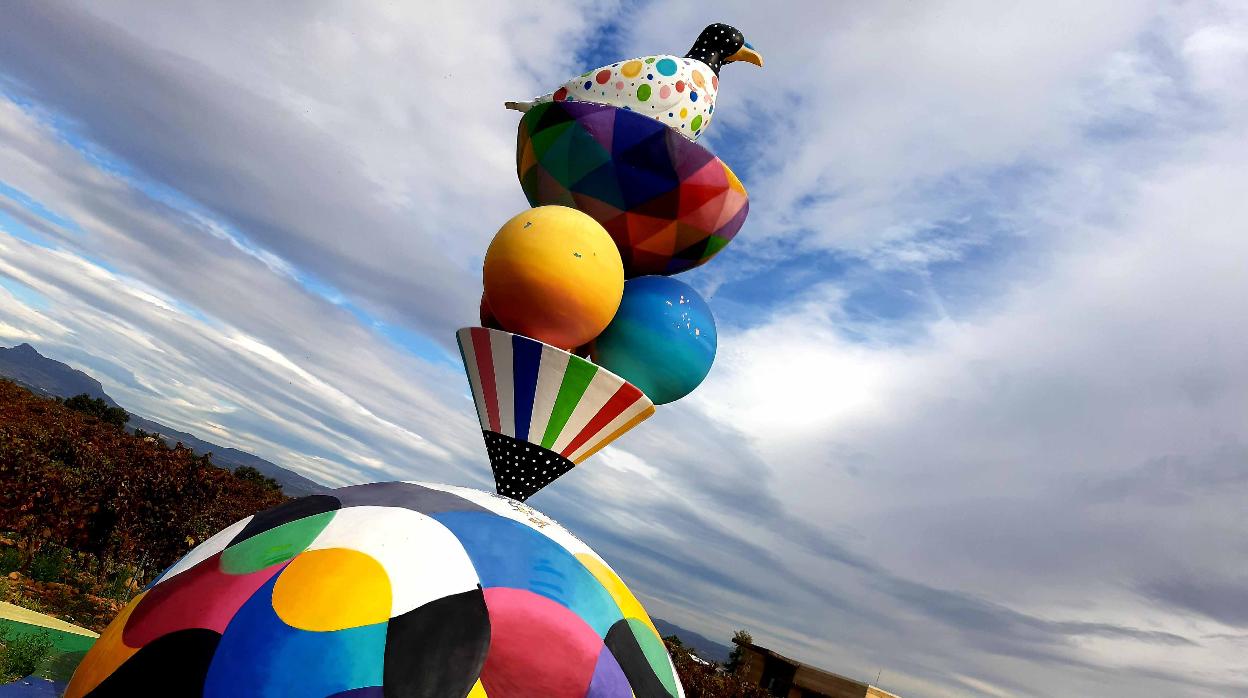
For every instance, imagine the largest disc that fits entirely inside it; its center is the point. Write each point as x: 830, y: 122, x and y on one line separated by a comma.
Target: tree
x: 96, y: 407
x: 740, y: 637
x: 703, y: 679
x: 150, y: 437
x: 250, y: 474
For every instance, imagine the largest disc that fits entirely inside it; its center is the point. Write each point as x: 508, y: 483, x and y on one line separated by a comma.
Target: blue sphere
x: 662, y: 338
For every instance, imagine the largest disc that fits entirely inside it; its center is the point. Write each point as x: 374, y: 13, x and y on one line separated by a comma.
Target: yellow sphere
x: 554, y: 274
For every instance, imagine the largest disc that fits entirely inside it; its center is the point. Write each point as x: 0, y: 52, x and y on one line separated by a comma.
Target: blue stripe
x: 526, y: 356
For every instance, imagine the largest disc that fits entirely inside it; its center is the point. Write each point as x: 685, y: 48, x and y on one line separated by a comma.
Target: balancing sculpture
x: 609, y: 157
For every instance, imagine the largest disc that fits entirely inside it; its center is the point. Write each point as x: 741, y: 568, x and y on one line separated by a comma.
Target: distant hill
x: 43, y: 376
x: 706, y: 649
x: 24, y: 365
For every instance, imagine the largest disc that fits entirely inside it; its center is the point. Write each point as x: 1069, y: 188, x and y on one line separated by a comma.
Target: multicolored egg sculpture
x: 543, y: 410
x: 662, y: 338
x: 552, y: 273
x: 669, y: 204
x: 386, y: 589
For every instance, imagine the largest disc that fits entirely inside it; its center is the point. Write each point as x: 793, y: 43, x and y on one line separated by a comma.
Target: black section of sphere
x: 522, y: 468
x: 438, y: 649
x: 715, y: 44
x: 404, y: 495
x: 632, y: 660
x: 171, y: 665
x: 293, y: 510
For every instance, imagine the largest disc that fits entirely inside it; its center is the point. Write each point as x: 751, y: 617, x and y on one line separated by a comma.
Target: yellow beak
x: 748, y: 55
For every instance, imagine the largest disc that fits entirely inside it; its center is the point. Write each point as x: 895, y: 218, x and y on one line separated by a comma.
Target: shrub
x: 23, y: 654
x: 120, y: 584
x: 96, y: 407
x: 10, y: 560
x: 49, y: 564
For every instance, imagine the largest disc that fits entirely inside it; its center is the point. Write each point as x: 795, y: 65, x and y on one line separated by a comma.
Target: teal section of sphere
x: 662, y: 338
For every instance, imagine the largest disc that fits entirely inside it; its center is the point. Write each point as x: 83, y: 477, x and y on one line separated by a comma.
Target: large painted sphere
x: 553, y: 274
x: 662, y: 339
x: 386, y: 589
x: 669, y: 204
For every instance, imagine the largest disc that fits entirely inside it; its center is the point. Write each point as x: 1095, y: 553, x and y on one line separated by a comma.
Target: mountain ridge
x: 24, y: 365
x: 702, y: 646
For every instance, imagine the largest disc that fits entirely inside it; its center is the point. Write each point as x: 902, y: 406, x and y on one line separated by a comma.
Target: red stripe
x: 485, y: 372
x: 625, y: 396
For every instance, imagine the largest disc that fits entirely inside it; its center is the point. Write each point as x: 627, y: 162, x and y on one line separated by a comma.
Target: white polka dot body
x: 678, y: 91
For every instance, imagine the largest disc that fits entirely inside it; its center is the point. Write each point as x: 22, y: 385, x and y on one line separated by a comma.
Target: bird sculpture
x: 679, y: 91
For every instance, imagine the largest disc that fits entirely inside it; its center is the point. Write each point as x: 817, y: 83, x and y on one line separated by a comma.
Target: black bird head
x: 719, y: 44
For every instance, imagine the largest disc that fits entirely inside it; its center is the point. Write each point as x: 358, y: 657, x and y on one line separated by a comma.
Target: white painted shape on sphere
x: 205, y: 550
x: 422, y: 558
x: 521, y: 512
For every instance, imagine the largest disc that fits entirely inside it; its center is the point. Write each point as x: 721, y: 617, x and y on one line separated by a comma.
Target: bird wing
x: 656, y: 86
x: 636, y: 83
x: 664, y: 96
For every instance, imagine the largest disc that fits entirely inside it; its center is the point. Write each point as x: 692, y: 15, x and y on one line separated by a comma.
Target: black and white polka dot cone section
x: 543, y: 410
x: 522, y: 468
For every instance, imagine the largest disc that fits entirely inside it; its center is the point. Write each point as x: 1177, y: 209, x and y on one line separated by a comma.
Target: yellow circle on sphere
x: 554, y: 274
x: 332, y: 589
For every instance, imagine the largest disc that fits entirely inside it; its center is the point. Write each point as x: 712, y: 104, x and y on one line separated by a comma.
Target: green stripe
x: 62, y: 641
x: 67, y: 652
x: 575, y: 380
x: 274, y: 545
x: 652, y: 647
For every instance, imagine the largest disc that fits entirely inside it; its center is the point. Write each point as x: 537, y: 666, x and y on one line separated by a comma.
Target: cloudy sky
x: 980, y: 415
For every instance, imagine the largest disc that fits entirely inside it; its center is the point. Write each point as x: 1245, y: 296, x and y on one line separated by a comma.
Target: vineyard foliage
x: 74, y: 480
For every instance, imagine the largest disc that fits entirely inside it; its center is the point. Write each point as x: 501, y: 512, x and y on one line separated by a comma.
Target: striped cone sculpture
x: 543, y: 410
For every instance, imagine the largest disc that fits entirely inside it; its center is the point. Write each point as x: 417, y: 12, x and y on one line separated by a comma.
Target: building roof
x: 816, y: 679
